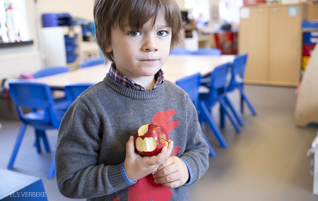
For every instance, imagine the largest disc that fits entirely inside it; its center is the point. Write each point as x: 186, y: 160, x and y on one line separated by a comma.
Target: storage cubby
x: 62, y: 46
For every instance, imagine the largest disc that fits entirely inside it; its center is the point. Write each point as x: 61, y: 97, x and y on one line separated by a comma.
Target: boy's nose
x: 150, y: 44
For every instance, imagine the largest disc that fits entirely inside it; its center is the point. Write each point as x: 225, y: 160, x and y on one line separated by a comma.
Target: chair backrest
x: 190, y: 84
x: 218, y: 76
x: 180, y: 51
x: 72, y: 91
x: 207, y: 51
x: 33, y: 96
x: 239, y: 64
x: 218, y: 83
x: 52, y: 70
x: 92, y: 62
x: 237, y: 71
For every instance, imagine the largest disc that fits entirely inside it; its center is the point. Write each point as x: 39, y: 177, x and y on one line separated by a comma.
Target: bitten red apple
x: 150, y: 139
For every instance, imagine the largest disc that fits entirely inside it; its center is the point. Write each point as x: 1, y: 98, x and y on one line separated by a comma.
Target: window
x: 13, y: 21
x: 230, y: 11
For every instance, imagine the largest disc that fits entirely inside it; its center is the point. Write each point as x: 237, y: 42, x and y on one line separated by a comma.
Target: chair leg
x: 222, y: 119
x: 212, y: 153
x: 37, y: 140
x: 237, y: 116
x: 206, y: 116
x: 249, y: 104
x: 42, y: 134
x: 17, y: 145
x: 242, y: 104
x: 227, y: 112
x: 51, y: 172
x: 45, y: 141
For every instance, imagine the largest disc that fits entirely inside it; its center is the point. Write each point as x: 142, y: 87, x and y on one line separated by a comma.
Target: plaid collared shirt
x: 123, y: 80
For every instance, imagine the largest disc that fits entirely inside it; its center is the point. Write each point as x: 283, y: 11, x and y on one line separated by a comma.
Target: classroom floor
x: 266, y: 161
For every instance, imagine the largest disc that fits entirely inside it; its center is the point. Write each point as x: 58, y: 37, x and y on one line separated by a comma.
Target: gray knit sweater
x: 95, y: 129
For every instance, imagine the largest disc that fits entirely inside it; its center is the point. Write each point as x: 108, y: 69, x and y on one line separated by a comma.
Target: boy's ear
x: 108, y: 47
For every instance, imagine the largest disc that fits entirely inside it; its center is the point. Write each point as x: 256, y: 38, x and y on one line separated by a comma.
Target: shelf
x: 16, y: 44
x: 309, y: 29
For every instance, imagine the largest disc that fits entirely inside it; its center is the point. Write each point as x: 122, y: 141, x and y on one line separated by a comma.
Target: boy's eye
x: 134, y: 33
x: 162, y: 33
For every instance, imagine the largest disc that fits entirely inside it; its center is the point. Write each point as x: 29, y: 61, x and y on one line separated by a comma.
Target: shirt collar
x: 127, y: 82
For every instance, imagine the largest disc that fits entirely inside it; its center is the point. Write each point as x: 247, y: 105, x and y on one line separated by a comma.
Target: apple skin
x: 150, y: 139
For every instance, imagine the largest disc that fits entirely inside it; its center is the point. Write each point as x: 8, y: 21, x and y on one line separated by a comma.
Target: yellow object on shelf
x: 304, y: 62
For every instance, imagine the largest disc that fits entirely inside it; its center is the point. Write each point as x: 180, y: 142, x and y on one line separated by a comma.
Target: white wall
x: 15, y: 60
x: 181, y: 4
x: 229, y: 10
x: 76, y: 8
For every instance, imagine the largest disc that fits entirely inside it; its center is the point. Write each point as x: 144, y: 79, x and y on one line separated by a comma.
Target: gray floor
x: 266, y: 161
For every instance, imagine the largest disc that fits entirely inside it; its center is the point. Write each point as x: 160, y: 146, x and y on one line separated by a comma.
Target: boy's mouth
x: 149, y: 60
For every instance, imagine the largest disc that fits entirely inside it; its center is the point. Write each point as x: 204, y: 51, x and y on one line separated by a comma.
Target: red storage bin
x: 307, y: 49
x: 226, y: 41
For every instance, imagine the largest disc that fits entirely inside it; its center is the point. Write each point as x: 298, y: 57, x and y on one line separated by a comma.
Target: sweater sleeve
x: 196, y: 155
x: 77, y: 170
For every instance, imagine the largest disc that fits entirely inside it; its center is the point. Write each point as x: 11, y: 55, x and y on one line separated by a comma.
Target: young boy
x: 95, y: 155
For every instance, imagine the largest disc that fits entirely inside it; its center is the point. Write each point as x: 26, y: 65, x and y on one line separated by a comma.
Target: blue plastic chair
x: 38, y: 98
x: 60, y: 103
x: 206, y: 81
x: 237, y: 80
x: 191, y: 85
x: 207, y: 51
x: 180, y: 51
x: 50, y: 71
x: 92, y: 62
x: 53, y: 70
x: 215, y: 95
x: 73, y: 90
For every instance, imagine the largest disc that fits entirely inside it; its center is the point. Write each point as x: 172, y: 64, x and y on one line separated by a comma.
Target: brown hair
x: 138, y: 12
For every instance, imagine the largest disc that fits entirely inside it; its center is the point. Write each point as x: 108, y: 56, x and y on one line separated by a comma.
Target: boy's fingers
x: 170, y: 147
x: 130, y: 149
x: 164, y: 154
x: 168, y: 162
x: 166, y: 151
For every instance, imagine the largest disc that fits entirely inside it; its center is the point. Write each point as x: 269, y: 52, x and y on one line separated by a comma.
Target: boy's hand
x: 172, y: 173
x: 137, y: 167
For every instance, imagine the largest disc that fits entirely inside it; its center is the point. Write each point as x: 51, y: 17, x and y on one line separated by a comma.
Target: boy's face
x: 139, y: 54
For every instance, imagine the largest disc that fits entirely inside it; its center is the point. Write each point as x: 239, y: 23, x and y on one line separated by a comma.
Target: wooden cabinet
x: 272, y: 36
x: 312, y: 11
x: 253, y: 36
